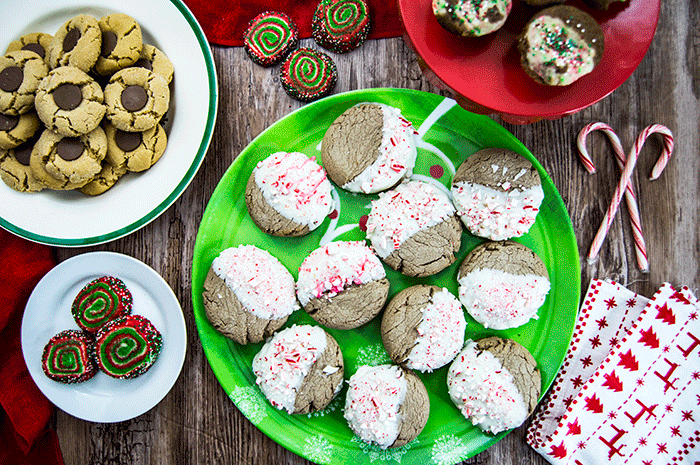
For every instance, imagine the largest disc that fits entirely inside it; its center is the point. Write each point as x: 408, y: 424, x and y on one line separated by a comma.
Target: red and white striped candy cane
x: 632, y: 208
x: 627, y: 174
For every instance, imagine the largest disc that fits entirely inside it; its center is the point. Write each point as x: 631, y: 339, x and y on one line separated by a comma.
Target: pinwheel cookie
x: 69, y: 357
x: 270, y: 37
x: 340, y: 25
x: 101, y: 301
x: 128, y: 346
x: 308, y: 74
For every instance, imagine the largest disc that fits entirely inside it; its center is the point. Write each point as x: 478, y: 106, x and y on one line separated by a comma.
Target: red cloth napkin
x: 25, y: 411
x: 225, y: 21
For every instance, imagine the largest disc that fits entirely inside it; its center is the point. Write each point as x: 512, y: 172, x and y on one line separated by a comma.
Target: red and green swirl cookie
x: 308, y: 74
x: 128, y: 346
x: 69, y: 357
x: 340, y: 25
x: 100, y: 301
x: 270, y: 37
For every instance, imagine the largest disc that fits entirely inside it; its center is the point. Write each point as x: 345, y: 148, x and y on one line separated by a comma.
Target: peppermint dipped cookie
x: 101, y: 301
x: 128, y: 346
x: 386, y: 405
x: 468, y: 18
x: 413, y: 228
x: 20, y: 74
x: 308, y: 74
x: 502, y: 284
x: 288, y: 194
x: 423, y: 327
x: 270, y: 37
x: 559, y: 45
x: 300, y: 369
x: 497, y: 193
x: 69, y: 357
x: 369, y: 148
x: 340, y: 25
x: 495, y: 383
x: 342, y: 284
x: 248, y: 294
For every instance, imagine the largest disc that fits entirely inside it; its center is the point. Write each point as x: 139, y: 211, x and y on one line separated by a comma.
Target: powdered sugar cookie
x: 423, y: 327
x: 300, y: 369
x: 369, y: 148
x: 288, y: 194
x: 342, y: 284
x: 497, y: 193
x: 386, y: 405
x: 502, y: 284
x: 495, y: 383
x: 248, y: 294
x: 413, y: 228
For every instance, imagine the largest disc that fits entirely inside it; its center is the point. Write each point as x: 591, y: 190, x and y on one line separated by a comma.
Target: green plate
x: 448, y: 135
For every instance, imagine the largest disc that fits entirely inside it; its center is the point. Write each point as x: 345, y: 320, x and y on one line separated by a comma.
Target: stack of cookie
x: 81, y: 108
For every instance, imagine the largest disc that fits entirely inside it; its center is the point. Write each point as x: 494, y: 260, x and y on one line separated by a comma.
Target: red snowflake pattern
x: 662, y: 448
x: 693, y: 316
x: 647, y: 462
x: 610, y: 303
x: 577, y: 382
x: 666, y: 349
x: 613, y: 341
x: 586, y: 361
x: 696, y: 375
x: 675, y: 430
x: 687, y: 415
x: 640, y: 381
x: 595, y: 341
x: 602, y: 323
x: 612, y: 415
x: 669, y: 408
x: 643, y: 442
x: 581, y: 445
x: 631, y: 303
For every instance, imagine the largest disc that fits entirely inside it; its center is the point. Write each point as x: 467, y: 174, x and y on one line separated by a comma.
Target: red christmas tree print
x: 678, y: 297
x: 649, y: 338
x: 558, y: 451
x: 612, y: 382
x: 574, y: 428
x: 593, y: 404
x: 628, y: 361
x: 666, y: 315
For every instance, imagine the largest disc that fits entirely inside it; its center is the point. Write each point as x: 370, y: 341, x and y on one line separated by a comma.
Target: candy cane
x: 632, y: 208
x: 625, y: 177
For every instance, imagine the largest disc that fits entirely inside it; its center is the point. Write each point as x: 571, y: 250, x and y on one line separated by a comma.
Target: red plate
x: 484, y: 72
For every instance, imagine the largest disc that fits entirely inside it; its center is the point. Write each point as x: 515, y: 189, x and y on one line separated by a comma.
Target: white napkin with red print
x: 629, y: 389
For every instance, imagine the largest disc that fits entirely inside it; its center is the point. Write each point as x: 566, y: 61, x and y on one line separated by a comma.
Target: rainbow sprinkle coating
x: 69, y: 357
x: 308, y: 74
x: 270, y: 37
x: 100, y: 301
x: 340, y: 25
x: 128, y: 346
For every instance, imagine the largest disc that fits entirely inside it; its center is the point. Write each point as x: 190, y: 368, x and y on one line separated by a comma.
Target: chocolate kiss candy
x: 11, y: 78
x: 71, y: 39
x: 134, y: 98
x: 7, y: 122
x: 67, y: 96
x: 127, y: 141
x: 143, y: 63
x: 69, y: 148
x: 36, y: 48
x: 109, y: 41
x: 23, y: 153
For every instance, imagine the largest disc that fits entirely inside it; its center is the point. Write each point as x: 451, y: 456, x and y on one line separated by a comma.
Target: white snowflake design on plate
x: 386, y: 455
x: 372, y: 355
x: 318, y: 449
x: 449, y: 449
x: 330, y: 408
x: 250, y: 403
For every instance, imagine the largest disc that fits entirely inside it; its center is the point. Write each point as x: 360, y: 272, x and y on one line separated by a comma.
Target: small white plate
x: 72, y: 219
x: 104, y: 399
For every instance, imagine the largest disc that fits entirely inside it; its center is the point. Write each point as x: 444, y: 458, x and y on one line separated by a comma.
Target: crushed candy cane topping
x: 440, y: 333
x: 284, y: 361
x: 400, y: 213
x: 501, y: 300
x: 332, y: 268
x: 258, y: 280
x: 296, y: 186
x: 396, y: 158
x: 494, y: 214
x: 484, y: 391
x: 372, y: 403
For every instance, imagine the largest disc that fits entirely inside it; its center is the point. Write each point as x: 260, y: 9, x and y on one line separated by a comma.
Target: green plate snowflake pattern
x: 377, y: 454
x: 318, y: 449
x: 250, y: 402
x: 449, y: 449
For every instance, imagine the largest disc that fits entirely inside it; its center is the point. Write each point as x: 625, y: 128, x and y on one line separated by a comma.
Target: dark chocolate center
x: 23, y: 153
x: 71, y: 39
x: 7, y: 122
x: 11, y: 78
x: 134, y: 98
x: 36, y: 48
x: 109, y: 41
x: 127, y: 141
x: 67, y: 96
x: 69, y: 148
x: 144, y: 63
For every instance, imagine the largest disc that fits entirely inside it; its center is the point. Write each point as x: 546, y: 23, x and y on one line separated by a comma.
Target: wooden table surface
x: 196, y: 423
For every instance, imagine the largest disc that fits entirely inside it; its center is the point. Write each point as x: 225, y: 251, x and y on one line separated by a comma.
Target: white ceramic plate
x: 104, y: 399
x: 74, y: 219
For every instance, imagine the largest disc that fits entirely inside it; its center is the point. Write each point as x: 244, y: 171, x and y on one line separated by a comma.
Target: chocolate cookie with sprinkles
x: 341, y: 25
x: 270, y: 37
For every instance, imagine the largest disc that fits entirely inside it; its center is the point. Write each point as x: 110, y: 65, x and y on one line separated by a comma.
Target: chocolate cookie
x: 423, y: 327
x: 288, y: 194
x: 471, y: 19
x: 300, y: 369
x: 18, y: 129
x: 559, y: 45
x: 369, y: 148
x: 68, y: 162
x: 386, y: 405
x: 20, y: 74
x: 237, y: 294
x: 342, y: 284
x: 155, y: 60
x: 497, y: 193
x: 135, y: 151
x: 495, y: 383
x: 15, y: 170
x: 70, y: 102
x: 340, y: 25
x: 121, y: 43
x: 502, y: 284
x: 136, y: 99
x: 37, y: 42
x: 77, y: 43
x: 413, y: 228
